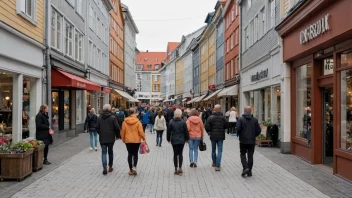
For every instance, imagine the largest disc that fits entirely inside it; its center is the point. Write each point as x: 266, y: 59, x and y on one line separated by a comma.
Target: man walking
x: 248, y: 129
x: 215, y: 126
x: 108, y: 130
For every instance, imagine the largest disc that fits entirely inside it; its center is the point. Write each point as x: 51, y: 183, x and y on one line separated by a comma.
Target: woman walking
x: 131, y: 134
x: 196, y: 133
x: 145, y: 119
x: 43, y: 130
x: 233, y: 119
x: 90, y: 126
x: 159, y: 126
x: 177, y: 135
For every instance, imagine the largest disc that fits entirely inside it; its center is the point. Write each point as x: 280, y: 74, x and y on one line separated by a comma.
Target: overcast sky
x: 159, y: 21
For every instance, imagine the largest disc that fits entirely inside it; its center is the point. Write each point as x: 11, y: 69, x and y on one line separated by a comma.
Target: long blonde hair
x: 92, y: 111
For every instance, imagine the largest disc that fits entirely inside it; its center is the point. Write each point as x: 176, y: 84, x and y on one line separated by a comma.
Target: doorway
x: 328, y: 129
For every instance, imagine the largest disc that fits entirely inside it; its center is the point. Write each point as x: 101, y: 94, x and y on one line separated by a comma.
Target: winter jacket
x: 152, y: 117
x: 107, y: 127
x: 216, y: 125
x: 42, y: 127
x: 160, y: 123
x: 248, y: 128
x: 169, y: 115
x: 195, y: 127
x: 177, y: 131
x: 91, y: 122
x: 146, y: 118
x: 233, y: 116
x: 132, y: 131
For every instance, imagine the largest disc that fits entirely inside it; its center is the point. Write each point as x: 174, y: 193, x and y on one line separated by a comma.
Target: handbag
x: 144, y: 148
x: 202, y: 146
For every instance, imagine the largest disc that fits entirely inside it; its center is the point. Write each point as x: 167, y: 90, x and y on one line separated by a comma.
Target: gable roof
x: 150, y: 58
x: 129, y: 17
x: 171, y: 46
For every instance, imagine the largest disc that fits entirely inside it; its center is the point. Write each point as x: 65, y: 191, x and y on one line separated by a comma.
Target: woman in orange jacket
x: 131, y: 134
x: 196, y: 133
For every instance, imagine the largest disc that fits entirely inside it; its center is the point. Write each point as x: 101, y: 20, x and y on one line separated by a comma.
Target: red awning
x: 63, y: 79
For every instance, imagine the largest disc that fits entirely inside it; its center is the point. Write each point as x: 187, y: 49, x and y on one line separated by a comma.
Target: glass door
x: 328, y: 133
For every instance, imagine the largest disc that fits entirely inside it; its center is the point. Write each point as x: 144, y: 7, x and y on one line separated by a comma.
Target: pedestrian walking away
x: 131, y: 134
x: 42, y: 127
x: 145, y: 118
x: 215, y: 126
x: 248, y: 129
x: 160, y: 127
x: 196, y: 133
x: 120, y: 116
x: 90, y: 127
x: 233, y: 120
x: 152, y: 120
x: 109, y: 130
x: 177, y: 135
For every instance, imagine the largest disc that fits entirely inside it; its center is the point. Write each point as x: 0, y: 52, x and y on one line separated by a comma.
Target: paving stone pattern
x: 81, y: 176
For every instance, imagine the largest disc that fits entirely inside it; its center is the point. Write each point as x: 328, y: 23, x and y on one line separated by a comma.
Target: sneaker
x: 90, y: 148
x: 96, y: 149
x: 134, y: 171
x: 194, y: 164
x: 191, y: 165
x: 217, y: 169
x: 105, y: 171
x: 213, y: 165
x: 244, y: 173
x: 180, y: 172
x: 249, y: 174
x: 130, y: 173
x: 110, y: 169
x: 159, y: 145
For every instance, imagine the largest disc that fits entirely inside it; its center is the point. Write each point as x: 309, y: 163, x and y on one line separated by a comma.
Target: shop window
x: 79, y: 107
x: 303, y: 102
x: 55, y: 110
x: 6, y: 93
x: 346, y: 58
x: 346, y: 110
x: 66, y: 109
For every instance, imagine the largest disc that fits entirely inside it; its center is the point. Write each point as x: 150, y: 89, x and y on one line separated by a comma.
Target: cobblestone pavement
x: 81, y: 176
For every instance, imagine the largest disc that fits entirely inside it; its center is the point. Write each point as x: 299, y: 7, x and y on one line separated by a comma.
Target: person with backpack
x: 120, y: 116
x: 90, y: 126
x: 160, y: 127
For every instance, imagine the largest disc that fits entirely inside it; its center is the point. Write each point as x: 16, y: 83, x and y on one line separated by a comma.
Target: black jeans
x: 249, y: 150
x: 46, y: 151
x: 132, y: 149
x: 159, y: 137
x: 178, y: 157
x: 144, y: 127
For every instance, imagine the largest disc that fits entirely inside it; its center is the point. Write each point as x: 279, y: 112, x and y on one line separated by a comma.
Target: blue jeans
x: 193, y: 149
x: 107, y: 148
x: 150, y: 127
x: 216, y: 159
x: 93, y: 134
x: 159, y: 137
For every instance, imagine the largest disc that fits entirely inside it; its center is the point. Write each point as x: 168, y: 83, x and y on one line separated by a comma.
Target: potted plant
x: 16, y: 160
x: 266, y: 126
x: 38, y: 154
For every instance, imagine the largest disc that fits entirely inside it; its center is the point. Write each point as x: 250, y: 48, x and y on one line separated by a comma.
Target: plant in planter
x: 38, y: 154
x: 267, y: 123
x: 261, y: 137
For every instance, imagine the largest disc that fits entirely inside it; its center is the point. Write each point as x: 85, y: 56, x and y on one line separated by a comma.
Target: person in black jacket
x: 177, y: 135
x: 152, y: 120
x: 108, y: 129
x: 248, y: 129
x: 169, y: 115
x: 90, y: 126
x: 215, y: 126
x: 42, y: 130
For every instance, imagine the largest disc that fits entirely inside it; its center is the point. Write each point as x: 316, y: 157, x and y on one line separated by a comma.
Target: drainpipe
x: 48, y: 61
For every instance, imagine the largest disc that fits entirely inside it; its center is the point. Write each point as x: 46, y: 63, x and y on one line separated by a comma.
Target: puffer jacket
x: 195, y: 127
x: 107, y: 127
x: 132, y: 130
x: 91, y: 122
x: 216, y: 125
x: 160, y: 123
x: 248, y: 128
x: 177, y: 131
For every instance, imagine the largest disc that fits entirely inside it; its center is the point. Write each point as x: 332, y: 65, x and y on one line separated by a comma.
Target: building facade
x: 317, y: 53
x: 148, y: 78
x: 21, y: 67
x: 131, y: 31
x: 196, y: 67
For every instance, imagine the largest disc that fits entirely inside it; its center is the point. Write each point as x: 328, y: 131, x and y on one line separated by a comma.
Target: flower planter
x: 261, y: 143
x: 38, y: 157
x: 16, y: 166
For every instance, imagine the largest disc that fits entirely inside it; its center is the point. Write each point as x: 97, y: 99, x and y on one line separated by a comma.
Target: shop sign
x: 81, y: 85
x: 328, y: 66
x: 106, y: 90
x: 259, y: 75
x: 315, y: 30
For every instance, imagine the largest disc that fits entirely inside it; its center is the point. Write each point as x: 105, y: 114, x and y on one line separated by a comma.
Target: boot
x: 46, y: 162
x: 105, y: 171
x: 110, y: 169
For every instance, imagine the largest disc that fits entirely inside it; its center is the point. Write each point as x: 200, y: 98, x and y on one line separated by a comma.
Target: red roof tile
x: 150, y: 58
x: 170, y: 47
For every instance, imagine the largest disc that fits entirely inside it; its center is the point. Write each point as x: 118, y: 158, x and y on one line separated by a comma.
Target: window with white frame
x: 79, y: 46
x: 27, y: 9
x: 156, y: 78
x: 249, y: 4
x: 156, y: 88
x: 251, y: 33
x: 263, y: 23
x: 91, y: 17
x: 256, y: 37
x: 272, y: 13
x: 98, y: 27
x: 98, y: 66
x: 232, y: 40
x: 68, y: 39
x: 71, y: 2
x: 247, y: 38
x: 56, y: 21
x: 157, y: 67
x: 90, y: 58
x: 139, y: 67
x: 79, y: 7
x: 94, y: 55
x: 102, y: 32
x: 233, y: 12
x: 236, y: 7
x: 94, y: 28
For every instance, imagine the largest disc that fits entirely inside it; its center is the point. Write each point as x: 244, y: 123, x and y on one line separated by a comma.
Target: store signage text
x: 328, y: 66
x: 315, y: 30
x: 259, y: 75
x: 81, y: 85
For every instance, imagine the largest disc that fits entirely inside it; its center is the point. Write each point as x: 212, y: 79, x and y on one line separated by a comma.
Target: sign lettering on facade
x: 315, y: 30
x: 328, y: 66
x: 259, y: 75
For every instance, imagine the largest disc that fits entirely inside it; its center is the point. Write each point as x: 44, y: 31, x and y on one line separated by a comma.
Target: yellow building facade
x: 212, y: 58
x: 204, y: 65
x: 180, y: 65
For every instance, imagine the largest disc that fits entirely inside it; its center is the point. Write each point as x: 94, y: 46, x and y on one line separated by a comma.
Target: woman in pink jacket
x: 196, y: 133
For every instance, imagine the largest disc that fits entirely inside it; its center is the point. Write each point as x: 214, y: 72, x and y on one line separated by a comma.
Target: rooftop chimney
x: 147, y: 50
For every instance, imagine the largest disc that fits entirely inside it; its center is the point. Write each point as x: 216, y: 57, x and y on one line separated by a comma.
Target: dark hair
x: 132, y: 111
x: 194, y: 112
x: 42, y: 108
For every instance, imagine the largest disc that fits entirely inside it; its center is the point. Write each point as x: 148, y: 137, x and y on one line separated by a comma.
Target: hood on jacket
x: 177, y: 119
x: 217, y: 113
x: 131, y: 120
x: 106, y: 114
x: 90, y: 115
x: 248, y: 116
x: 195, y: 119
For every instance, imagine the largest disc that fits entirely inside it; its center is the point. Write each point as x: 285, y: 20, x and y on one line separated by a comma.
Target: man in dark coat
x: 215, y: 126
x: 248, y: 129
x: 108, y: 130
x: 169, y: 115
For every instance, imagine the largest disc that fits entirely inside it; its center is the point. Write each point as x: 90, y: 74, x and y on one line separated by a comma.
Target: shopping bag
x: 202, y: 146
x: 144, y: 148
